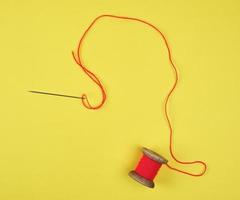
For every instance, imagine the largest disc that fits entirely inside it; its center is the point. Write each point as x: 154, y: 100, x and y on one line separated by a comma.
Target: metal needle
x: 53, y: 94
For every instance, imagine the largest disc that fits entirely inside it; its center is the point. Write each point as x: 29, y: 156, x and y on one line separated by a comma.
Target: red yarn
x: 147, y: 167
x: 94, y: 78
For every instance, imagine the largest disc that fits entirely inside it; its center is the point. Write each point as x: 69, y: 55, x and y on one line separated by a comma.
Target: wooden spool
x: 154, y: 156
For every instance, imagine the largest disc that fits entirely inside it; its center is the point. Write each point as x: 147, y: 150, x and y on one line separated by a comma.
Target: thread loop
x: 95, y: 79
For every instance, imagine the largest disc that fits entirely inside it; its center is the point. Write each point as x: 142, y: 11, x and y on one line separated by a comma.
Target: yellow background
x: 52, y: 148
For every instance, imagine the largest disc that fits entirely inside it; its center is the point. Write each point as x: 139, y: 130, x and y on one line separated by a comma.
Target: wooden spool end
x: 134, y: 175
x: 154, y: 156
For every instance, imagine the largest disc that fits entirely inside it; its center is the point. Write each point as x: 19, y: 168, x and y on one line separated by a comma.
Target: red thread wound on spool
x: 148, y: 168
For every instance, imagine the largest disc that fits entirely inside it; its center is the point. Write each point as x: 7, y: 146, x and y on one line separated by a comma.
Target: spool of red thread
x: 148, y: 167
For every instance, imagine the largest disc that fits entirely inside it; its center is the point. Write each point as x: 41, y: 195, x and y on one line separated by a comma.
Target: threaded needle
x: 54, y: 94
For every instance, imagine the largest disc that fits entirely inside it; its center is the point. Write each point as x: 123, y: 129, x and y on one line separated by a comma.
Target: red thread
x: 147, y: 167
x: 94, y: 78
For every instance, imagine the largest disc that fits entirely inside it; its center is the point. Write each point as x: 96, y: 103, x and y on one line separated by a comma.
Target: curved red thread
x: 94, y: 78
